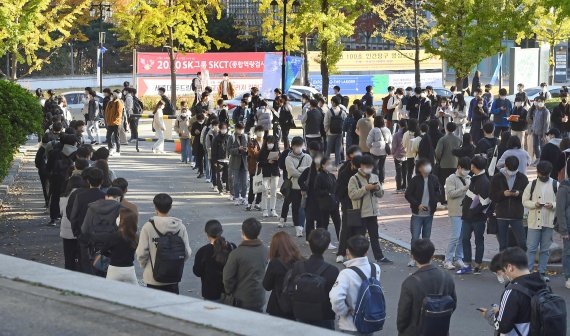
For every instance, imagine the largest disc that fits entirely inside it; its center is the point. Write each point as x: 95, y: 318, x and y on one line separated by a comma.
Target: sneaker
x: 281, y: 223
x: 385, y: 260
x: 200, y: 175
x: 448, y: 265
x: 299, y: 231
x: 477, y: 270
x: 460, y: 264
x: 117, y: 154
x: 567, y: 284
x: 339, y: 259
x: 243, y: 201
x: 412, y: 263
x: 465, y: 270
x: 331, y: 246
x: 441, y: 206
x: 273, y: 213
x: 52, y: 222
x: 544, y: 277
x: 265, y: 214
x: 237, y: 202
x: 257, y: 207
x: 208, y: 180
x: 248, y: 207
x: 230, y: 197
x: 222, y: 193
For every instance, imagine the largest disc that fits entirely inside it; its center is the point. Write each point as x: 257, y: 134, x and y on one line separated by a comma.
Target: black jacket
x: 314, y: 121
x: 428, y: 280
x: 415, y: 191
x: 330, y: 274
x: 426, y: 150
x: 559, y: 112
x: 485, y: 144
x: 286, y: 117
x: 83, y: 197
x: 477, y: 201
x: 423, y: 112
x: 465, y: 150
x: 325, y: 186
x: 220, y: 147
x: 210, y: 272
x: 508, y: 207
x: 268, y: 169
x: 273, y: 281
x: 522, y: 124
x: 345, y: 172
x: 197, y: 148
x: 551, y: 153
x: 120, y: 251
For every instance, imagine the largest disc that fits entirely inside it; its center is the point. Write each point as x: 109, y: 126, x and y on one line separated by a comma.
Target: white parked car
x: 533, y: 92
x: 443, y: 92
x: 75, y: 101
x: 294, y: 99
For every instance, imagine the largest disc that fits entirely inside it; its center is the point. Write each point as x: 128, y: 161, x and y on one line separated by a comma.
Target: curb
x: 9, y: 180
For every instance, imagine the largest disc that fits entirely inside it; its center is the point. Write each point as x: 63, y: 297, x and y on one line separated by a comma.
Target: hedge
x: 20, y: 115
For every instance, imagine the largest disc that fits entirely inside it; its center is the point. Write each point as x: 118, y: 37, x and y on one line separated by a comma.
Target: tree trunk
x: 458, y: 81
x: 416, y: 46
x: 306, y: 62
x: 324, y: 54
x: 172, y: 70
x: 13, y: 68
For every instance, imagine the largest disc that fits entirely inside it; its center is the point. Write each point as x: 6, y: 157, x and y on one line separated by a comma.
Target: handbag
x: 287, y: 184
x: 493, y: 163
x: 101, y: 263
x: 354, y: 216
x: 492, y: 227
x: 258, y: 186
x: 387, y: 147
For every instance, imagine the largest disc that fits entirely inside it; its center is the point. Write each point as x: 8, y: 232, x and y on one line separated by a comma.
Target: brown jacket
x: 131, y: 207
x: 231, y: 92
x: 114, y: 113
x: 253, y: 148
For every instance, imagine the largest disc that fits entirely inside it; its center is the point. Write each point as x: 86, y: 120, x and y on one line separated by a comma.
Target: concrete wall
x: 74, y: 82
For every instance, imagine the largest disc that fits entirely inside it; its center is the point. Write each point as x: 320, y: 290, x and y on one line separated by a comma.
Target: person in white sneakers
x: 159, y: 128
x: 295, y: 163
x: 456, y: 186
x: 267, y: 160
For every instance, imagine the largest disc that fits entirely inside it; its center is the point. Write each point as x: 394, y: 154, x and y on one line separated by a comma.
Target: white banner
x: 149, y: 86
x: 404, y: 80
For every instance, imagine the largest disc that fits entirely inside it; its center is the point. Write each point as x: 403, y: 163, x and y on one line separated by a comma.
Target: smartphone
x: 542, y: 204
x: 480, y: 309
x: 375, y: 183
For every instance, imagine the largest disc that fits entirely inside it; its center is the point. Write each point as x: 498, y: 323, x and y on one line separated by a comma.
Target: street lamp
x: 295, y: 9
x: 104, y: 11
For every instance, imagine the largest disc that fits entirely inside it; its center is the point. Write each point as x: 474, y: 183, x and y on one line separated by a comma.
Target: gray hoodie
x: 99, y: 211
x: 147, y: 247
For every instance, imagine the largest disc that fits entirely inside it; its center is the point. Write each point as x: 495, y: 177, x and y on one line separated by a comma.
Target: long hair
x: 222, y: 248
x: 157, y: 106
x: 128, y: 226
x: 284, y: 248
x: 104, y: 166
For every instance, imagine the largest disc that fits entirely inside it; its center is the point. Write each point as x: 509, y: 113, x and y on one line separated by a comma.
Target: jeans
x: 379, y: 166
x: 172, y: 288
x: 113, y: 136
x: 71, y: 254
x: 469, y: 227
x: 269, y: 199
x: 411, y: 163
x: 420, y: 225
x: 534, y: 238
x: 240, y: 182
x: 537, y: 144
x: 503, y: 233
x: 566, y: 258
x: 221, y: 175
x: 159, y: 144
x: 185, y: 149
x: 134, y: 126
x: 250, y: 196
x: 334, y: 144
x: 371, y: 225
x: 401, y: 170
x: 285, y: 136
x: 207, y: 166
x: 93, y: 127
x: 335, y: 215
x: 455, y: 245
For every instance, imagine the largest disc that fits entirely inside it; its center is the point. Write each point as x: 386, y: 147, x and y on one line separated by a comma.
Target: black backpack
x: 436, y: 311
x: 336, y: 122
x: 63, y: 165
x: 548, y: 311
x: 138, y: 107
x: 101, y: 227
x: 308, y: 293
x: 170, y: 256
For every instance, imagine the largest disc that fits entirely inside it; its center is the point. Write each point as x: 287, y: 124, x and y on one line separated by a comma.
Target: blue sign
x: 293, y: 65
x: 350, y: 85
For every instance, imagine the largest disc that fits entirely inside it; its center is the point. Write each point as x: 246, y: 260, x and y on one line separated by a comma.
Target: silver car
x: 75, y: 100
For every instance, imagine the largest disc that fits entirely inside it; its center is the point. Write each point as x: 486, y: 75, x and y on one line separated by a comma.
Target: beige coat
x: 359, y: 194
x: 540, y: 217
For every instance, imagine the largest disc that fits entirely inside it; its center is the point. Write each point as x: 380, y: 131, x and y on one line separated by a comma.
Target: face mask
x: 427, y: 169
x: 520, y: 88
x: 200, y: 122
x: 367, y: 171
x: 480, y: 105
x: 408, y: 93
x: 544, y: 89
x: 501, y: 279
x: 423, y: 95
x: 466, y: 172
x: 317, y: 161
x: 215, y: 128
x: 329, y: 168
x: 418, y: 95
x: 225, y: 78
x: 443, y: 104
x: 270, y: 146
x: 540, y: 104
x: 224, y: 130
x: 518, y: 104
x: 543, y: 178
x: 511, y: 172
x: 259, y: 134
x: 297, y: 150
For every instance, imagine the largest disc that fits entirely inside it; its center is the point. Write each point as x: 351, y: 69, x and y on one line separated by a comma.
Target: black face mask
x: 543, y: 178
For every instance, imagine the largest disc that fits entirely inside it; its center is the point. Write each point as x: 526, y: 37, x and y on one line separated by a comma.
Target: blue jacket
x: 500, y: 116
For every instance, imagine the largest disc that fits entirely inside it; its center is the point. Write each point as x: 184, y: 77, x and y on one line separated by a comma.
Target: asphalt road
x: 23, y: 234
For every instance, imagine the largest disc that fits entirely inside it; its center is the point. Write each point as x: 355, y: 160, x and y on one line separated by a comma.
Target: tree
x: 367, y: 25
x: 551, y: 27
x: 563, y: 6
x: 30, y: 30
x: 180, y: 26
x: 467, y: 31
x: 407, y: 26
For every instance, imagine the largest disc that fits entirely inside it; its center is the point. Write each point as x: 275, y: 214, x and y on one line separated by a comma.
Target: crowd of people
x: 335, y: 171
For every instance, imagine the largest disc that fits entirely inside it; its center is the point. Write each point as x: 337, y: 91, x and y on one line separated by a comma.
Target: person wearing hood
x: 113, y: 120
x: 539, y: 126
x: 146, y: 248
x: 59, y: 165
x: 551, y: 151
x: 507, y: 189
x: 182, y: 127
x: 514, y: 149
x: 539, y: 198
x: 296, y: 163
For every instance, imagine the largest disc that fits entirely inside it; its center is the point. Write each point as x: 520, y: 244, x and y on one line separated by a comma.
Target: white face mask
x: 544, y: 89
x: 427, y: 169
x: 423, y: 94
x: 329, y: 168
x: 541, y: 104
x: 259, y: 134
x: 224, y: 130
x: 511, y: 172
x: 367, y: 171
x: 465, y: 172
x: 317, y: 161
x: 480, y: 105
x: 501, y: 279
x: 297, y: 150
x: 518, y: 104
x: 270, y: 146
x: 520, y: 88
x: 408, y: 93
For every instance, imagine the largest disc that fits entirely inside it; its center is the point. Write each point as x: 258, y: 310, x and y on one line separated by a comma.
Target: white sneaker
x: 208, y: 181
x: 243, y: 201
x: 339, y: 259
x: 299, y: 231
x: 412, y: 263
x: 265, y: 214
x: 567, y: 285
x: 273, y: 213
x: 237, y: 202
x: 117, y: 154
x: 231, y: 197
x: 331, y: 246
x: 193, y: 164
x: 281, y: 223
x: 460, y: 264
x: 441, y: 206
x: 448, y: 265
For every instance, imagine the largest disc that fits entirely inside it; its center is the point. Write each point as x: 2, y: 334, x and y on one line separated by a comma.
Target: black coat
x: 508, y: 207
x: 415, y: 191
x: 220, y: 147
x: 551, y: 153
x: 345, y: 172
x: 273, y: 281
x: 325, y: 186
x: 559, y: 112
x: 522, y: 124
x: 210, y: 272
x: 426, y: 149
x: 465, y: 150
x: 197, y: 148
x: 268, y: 169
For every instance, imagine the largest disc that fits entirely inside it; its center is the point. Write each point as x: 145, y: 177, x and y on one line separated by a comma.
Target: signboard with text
x: 377, y: 60
x: 560, y: 65
x: 149, y: 85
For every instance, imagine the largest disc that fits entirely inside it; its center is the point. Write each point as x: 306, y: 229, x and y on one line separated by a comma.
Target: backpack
x: 138, y: 107
x: 385, y: 100
x: 62, y: 166
x: 370, y: 310
x: 436, y: 311
x: 194, y: 84
x: 308, y: 292
x: 336, y: 122
x: 547, y: 311
x: 170, y: 256
x: 101, y: 227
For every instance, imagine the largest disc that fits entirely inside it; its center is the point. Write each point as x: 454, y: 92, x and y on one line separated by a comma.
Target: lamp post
x: 104, y: 11
x: 295, y: 9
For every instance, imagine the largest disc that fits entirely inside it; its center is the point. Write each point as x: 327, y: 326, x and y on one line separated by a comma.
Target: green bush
x: 20, y: 115
x: 552, y: 103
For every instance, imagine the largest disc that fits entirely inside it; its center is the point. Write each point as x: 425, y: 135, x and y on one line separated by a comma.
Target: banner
x: 377, y: 60
x: 148, y: 86
x: 497, y: 69
x: 98, y: 66
x: 271, y: 74
x: 356, y: 85
x: 524, y: 65
x: 292, y: 70
x: 191, y: 63
x: 560, y: 64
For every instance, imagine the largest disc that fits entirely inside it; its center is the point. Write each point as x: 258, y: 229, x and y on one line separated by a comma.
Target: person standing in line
x: 296, y: 162
x: 59, y: 165
x: 396, y: 108
x: 466, y: 149
x: 270, y: 170
x: 363, y: 127
x: 364, y: 190
x: 312, y: 121
x: 208, y: 141
x: 378, y: 140
x: 307, y: 182
x: 226, y: 88
x: 506, y: 192
x: 129, y: 101
x: 122, y: 184
x: 220, y: 158
x: 422, y: 193
x: 368, y: 98
x: 197, y: 146
x: 159, y: 128
x: 474, y: 213
x: 488, y: 96
x: 539, y: 126
x: 93, y: 119
x: 182, y: 127
x: 519, y: 123
x: 146, y: 249
x: 501, y: 110
x: 514, y: 149
x: 551, y: 152
x: 120, y: 248
x: 113, y: 120
x: 399, y: 155
x: 334, y: 120
x: 253, y: 148
x: 560, y: 115
x: 237, y: 147
x: 71, y: 253
x: 349, y: 125
x: 210, y: 260
x: 244, y: 271
x: 427, y: 279
x: 521, y: 95
x: 325, y: 185
x: 283, y: 253
x: 456, y: 186
x: 197, y: 88
x: 408, y: 141
x: 286, y: 120
x: 539, y: 198
x: 444, y: 155
x: 563, y: 218
x: 477, y: 115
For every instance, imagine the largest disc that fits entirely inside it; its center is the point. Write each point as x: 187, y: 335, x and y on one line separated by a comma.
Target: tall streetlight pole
x: 295, y: 8
x: 104, y: 10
